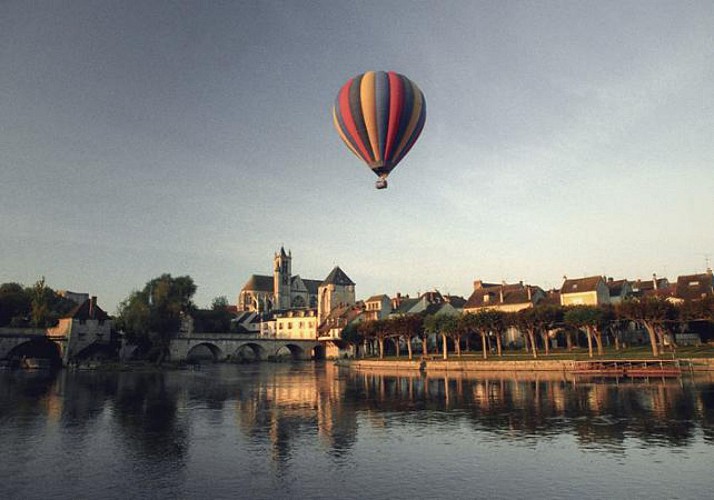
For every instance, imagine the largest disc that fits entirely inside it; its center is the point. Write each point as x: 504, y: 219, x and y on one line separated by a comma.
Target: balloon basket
x: 381, y: 184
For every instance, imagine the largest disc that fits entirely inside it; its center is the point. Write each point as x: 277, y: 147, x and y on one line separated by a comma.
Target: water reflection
x: 664, y: 412
x: 175, y: 429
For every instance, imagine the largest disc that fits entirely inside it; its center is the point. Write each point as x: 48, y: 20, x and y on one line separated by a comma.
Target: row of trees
x: 37, y: 306
x: 657, y: 316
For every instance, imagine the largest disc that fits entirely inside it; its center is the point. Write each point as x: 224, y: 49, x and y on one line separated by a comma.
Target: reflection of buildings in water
x: 290, y: 403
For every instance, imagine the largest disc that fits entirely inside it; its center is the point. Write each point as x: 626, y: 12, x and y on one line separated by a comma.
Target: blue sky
x: 562, y: 138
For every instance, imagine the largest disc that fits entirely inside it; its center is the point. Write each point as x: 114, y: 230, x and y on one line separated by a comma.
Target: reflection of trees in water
x: 145, y: 407
x: 25, y: 399
x: 596, y: 413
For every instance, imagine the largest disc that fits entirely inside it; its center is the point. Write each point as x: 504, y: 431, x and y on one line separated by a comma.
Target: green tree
x: 589, y: 319
x: 15, y: 303
x: 220, y: 303
x: 407, y: 327
x: 353, y: 336
x: 152, y: 316
x: 652, y: 313
x: 546, y: 318
x: 478, y: 322
x: 527, y: 322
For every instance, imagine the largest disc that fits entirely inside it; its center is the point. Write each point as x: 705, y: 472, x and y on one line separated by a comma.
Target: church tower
x: 281, y: 278
x: 337, y: 290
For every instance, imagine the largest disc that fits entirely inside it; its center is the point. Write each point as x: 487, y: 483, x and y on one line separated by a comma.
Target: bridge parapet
x: 23, y: 332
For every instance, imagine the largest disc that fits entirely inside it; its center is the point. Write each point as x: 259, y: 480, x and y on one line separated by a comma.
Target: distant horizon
x: 232, y: 298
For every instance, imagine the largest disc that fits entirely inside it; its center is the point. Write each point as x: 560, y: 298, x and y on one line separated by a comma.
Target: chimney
x: 501, y: 290
x: 92, y: 306
x: 478, y: 284
x: 530, y: 295
x: 654, y: 280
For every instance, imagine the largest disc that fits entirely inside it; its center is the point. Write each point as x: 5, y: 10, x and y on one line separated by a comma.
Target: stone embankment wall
x: 702, y: 364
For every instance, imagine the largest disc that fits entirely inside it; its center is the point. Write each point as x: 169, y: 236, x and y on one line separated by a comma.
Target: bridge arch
x: 251, y: 351
x: 46, y: 351
x: 204, y: 351
x: 293, y: 351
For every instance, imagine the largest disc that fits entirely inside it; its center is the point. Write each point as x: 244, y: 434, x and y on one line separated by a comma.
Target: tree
x: 526, y: 321
x: 15, y: 303
x: 220, y: 303
x: 590, y: 319
x: 446, y: 325
x: 478, y: 322
x: 151, y: 316
x: 546, y: 317
x: 652, y: 313
x: 353, y: 336
x: 406, y: 327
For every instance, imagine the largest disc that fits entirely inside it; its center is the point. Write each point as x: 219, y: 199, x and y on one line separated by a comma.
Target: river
x: 309, y: 430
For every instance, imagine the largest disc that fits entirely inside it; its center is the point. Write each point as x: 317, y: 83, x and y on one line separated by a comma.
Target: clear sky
x: 562, y: 138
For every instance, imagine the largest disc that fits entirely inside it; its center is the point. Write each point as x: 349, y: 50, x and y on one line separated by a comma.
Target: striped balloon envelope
x: 379, y: 116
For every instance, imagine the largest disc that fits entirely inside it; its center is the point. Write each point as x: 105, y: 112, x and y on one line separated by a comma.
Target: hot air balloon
x: 379, y: 116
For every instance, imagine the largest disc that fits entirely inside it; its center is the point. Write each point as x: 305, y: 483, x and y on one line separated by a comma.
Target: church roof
x: 312, y: 285
x: 259, y: 283
x: 337, y: 277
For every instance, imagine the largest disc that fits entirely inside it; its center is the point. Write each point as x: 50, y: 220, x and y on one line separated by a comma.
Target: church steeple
x: 282, y: 272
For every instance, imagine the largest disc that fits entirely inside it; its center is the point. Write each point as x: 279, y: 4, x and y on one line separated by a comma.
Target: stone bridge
x: 237, y: 347
x: 16, y: 343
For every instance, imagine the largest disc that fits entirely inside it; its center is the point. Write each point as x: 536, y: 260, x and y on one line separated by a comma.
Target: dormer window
x: 693, y: 283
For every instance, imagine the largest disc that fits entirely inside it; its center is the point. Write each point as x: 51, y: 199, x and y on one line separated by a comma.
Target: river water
x: 320, y: 431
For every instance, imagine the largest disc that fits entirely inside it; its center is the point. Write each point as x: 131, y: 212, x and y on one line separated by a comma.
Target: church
x: 282, y: 291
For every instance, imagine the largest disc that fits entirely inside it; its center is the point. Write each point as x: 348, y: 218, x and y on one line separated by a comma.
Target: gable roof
x: 337, y: 277
x: 502, y: 295
x: 455, y: 300
x: 579, y: 285
x: 405, y: 305
x: 88, y: 310
x: 616, y: 287
x: 259, y: 283
x: 340, y: 317
x: 695, y: 286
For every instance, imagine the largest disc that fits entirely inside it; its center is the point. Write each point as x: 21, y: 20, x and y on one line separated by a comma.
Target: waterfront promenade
x: 575, y: 366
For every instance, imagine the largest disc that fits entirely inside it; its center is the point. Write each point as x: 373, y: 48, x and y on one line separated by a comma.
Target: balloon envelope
x: 379, y: 116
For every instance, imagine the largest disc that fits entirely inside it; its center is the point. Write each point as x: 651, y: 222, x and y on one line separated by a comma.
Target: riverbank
x: 536, y: 365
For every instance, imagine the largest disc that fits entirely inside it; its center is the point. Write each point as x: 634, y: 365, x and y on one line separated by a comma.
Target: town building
x: 87, y: 330
x: 590, y: 291
x: 618, y: 290
x: 695, y: 286
x: 504, y: 297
